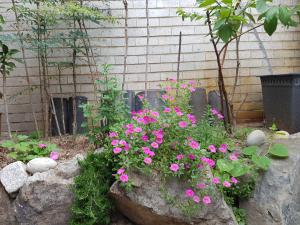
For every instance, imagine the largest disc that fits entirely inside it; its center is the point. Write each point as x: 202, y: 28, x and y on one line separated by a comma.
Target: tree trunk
x: 6, y: 106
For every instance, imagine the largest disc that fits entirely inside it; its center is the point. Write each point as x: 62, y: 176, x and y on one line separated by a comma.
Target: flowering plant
x: 169, y: 141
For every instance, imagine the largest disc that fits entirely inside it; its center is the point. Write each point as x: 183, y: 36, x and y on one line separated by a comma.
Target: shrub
x: 91, y: 204
x: 174, y: 143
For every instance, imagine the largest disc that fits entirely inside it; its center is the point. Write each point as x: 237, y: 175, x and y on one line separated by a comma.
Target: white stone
x: 13, y: 176
x: 281, y: 135
x: 256, y: 137
x: 40, y: 165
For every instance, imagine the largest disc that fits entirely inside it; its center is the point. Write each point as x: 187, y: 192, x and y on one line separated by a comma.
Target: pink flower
x: 159, y: 140
x: 114, y: 142
x: 182, y: 124
x: 117, y: 150
x: 180, y: 156
x: 222, y: 149
x: 54, y: 155
x: 196, y: 199
x: 124, y: 178
x: 151, y: 153
x: 226, y: 184
x: 216, y: 180
x: 145, y: 138
x: 206, y: 200
x: 168, y: 88
x: 155, y: 114
x: 165, y: 97
x: 154, y: 145
x: 147, y: 161
x: 212, y: 148
x: 192, y: 157
x: 179, y: 113
x: 194, y: 145
x: 234, y: 180
x: 192, y: 118
x: 122, y: 142
x: 141, y: 97
x: 220, y: 116
x: 137, y: 129
x: 211, y: 163
x: 201, y: 185
x: 174, y: 167
x: 140, y: 120
x: 189, y: 193
x: 146, y: 150
x: 233, y: 157
x: 120, y: 171
x: 167, y: 110
x: 214, y: 111
x: 184, y: 86
x: 42, y: 145
x: 113, y: 134
x: 192, y: 89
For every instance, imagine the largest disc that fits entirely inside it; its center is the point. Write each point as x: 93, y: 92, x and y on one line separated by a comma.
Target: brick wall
x: 197, y: 61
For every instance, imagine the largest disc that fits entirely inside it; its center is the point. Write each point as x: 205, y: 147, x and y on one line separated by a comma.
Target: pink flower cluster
x: 191, y: 194
x: 119, y: 146
x: 216, y: 113
x: 233, y: 180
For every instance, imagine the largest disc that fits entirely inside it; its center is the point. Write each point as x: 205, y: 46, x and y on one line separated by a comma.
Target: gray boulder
x: 41, y: 164
x: 145, y: 205
x: 256, y: 137
x: 6, y: 209
x: 13, y: 176
x: 46, y: 198
x: 276, y: 199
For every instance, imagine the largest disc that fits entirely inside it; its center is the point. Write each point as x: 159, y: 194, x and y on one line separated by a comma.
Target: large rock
x: 256, y: 137
x: 276, y: 199
x: 13, y: 176
x: 6, y: 209
x: 41, y: 164
x: 145, y: 205
x: 46, y: 197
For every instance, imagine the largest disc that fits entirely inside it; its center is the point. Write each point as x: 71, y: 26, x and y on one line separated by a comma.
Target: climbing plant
x: 228, y: 21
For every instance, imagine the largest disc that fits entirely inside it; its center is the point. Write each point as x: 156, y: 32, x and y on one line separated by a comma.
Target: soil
x: 4, y: 159
x: 69, y: 145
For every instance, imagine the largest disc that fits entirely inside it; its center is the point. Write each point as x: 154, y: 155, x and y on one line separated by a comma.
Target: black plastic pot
x: 62, y: 112
x: 281, y: 98
x: 80, y: 100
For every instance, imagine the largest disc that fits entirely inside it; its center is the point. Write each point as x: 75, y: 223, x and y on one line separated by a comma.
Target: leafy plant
x: 23, y: 148
x: 91, y: 204
x: 226, y: 22
x: 173, y: 143
x: 109, y: 110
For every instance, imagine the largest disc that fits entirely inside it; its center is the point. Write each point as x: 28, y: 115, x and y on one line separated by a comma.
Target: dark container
x: 281, y: 98
x: 199, y: 102
x: 80, y: 100
x: 153, y: 97
x: 61, y: 106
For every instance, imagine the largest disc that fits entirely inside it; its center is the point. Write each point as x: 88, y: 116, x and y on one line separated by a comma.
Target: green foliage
x: 229, y: 16
x: 7, y: 59
x: 251, y: 150
x: 23, y: 148
x: 242, y: 133
x: 91, y: 205
x: 278, y: 150
x: 108, y: 111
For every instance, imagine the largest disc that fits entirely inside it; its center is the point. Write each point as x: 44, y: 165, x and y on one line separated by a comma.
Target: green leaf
x: 13, y: 155
x: 271, y: 20
x: 225, y: 32
x: 279, y: 150
x: 238, y: 170
x: 262, y: 162
x: 251, y: 150
x: 8, y: 144
x: 224, y: 165
x: 225, y: 12
x: 207, y: 3
x: 250, y: 16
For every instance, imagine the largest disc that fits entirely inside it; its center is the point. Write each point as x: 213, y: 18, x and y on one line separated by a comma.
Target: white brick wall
x: 197, y: 60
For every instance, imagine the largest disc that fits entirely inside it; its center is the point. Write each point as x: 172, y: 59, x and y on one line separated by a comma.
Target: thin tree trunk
x: 55, y: 116
x: 61, y: 100
x: 26, y: 67
x: 222, y: 90
x: 74, y: 110
x: 5, y: 105
x: 147, y: 48
x: 126, y: 42
x: 179, y: 55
